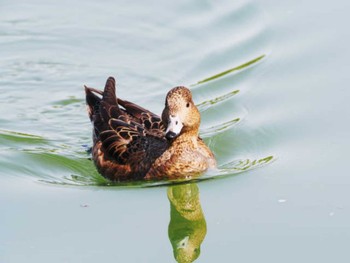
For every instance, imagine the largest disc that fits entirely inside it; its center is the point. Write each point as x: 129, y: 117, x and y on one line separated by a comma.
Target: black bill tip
x: 170, y: 135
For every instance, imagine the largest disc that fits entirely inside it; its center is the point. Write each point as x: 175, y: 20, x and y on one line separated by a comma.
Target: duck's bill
x: 174, y: 127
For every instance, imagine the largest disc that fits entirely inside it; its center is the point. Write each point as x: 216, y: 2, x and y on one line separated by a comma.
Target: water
x: 278, y: 127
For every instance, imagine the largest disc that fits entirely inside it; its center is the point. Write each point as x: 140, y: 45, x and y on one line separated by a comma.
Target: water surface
x: 270, y: 81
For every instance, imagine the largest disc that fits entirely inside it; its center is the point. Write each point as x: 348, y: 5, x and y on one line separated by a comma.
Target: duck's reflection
x: 187, y: 227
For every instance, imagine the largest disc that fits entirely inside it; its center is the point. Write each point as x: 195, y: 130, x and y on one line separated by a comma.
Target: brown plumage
x: 130, y: 142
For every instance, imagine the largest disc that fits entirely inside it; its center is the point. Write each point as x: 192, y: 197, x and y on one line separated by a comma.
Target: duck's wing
x: 129, y: 143
x: 143, y: 116
x: 125, y: 135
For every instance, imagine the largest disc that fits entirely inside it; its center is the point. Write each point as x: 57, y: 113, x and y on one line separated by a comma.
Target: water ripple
x: 203, y: 106
x: 214, y: 130
x: 238, y: 68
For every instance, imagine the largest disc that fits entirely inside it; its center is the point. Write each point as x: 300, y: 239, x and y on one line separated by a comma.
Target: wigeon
x: 130, y: 142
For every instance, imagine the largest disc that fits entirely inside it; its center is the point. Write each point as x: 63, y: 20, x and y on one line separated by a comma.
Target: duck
x: 132, y: 143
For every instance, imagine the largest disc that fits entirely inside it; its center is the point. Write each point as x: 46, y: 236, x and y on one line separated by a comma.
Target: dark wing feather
x: 145, y: 117
x: 130, y: 144
x: 133, y: 109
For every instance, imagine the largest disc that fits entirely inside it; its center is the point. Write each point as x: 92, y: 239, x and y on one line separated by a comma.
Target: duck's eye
x: 188, y: 104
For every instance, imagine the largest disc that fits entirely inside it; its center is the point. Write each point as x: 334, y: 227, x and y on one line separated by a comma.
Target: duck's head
x: 180, y: 114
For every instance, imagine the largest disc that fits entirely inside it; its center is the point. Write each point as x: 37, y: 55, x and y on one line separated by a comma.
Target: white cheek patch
x: 174, y: 125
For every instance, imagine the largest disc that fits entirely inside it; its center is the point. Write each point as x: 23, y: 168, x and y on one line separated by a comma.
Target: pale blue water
x: 286, y: 115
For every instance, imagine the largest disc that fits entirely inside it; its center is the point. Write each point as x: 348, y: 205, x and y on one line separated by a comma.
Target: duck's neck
x: 187, y: 137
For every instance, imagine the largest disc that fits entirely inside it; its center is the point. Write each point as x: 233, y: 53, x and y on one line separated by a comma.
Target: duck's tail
x: 93, y: 101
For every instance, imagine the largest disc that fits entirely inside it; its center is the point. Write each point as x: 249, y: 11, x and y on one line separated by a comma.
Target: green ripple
x: 221, y: 74
x: 66, y: 102
x: 215, y: 130
x: 203, y: 106
x: 10, y: 137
